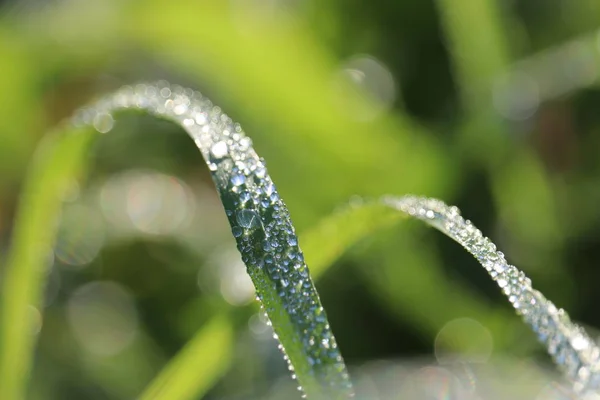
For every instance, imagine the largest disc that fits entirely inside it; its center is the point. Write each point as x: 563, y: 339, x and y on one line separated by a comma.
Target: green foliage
x: 197, y: 366
x: 532, y: 185
x: 55, y: 166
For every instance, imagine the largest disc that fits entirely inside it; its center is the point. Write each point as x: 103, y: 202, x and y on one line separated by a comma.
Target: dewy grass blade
x: 576, y: 354
x: 337, y: 233
x: 260, y: 224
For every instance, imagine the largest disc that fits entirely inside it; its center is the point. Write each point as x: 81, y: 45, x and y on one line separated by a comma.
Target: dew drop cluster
x: 576, y: 354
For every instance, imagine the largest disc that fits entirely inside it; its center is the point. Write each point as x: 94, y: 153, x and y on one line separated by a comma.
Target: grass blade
x: 334, y: 235
x: 400, y: 287
x: 56, y: 164
x: 197, y: 366
x: 571, y: 348
x: 478, y: 45
x: 259, y: 219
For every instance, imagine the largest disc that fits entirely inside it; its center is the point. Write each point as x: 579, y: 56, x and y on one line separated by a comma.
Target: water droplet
x: 248, y: 219
x: 200, y: 118
x: 238, y: 180
x: 179, y: 109
x: 103, y: 122
x: 237, y: 231
x: 260, y: 172
x: 244, y: 196
x: 219, y: 150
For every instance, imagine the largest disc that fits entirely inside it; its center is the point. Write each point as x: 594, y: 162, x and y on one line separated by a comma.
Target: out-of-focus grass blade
x: 56, y: 164
x: 409, y: 273
x: 478, y: 45
x: 324, y: 243
x: 197, y: 366
x: 19, y: 107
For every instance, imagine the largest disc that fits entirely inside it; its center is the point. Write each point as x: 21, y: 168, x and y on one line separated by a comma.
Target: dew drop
x: 219, y: 150
x: 103, y: 122
x: 238, y: 180
x: 260, y: 172
x: 247, y: 219
x: 244, y: 196
x: 237, y: 231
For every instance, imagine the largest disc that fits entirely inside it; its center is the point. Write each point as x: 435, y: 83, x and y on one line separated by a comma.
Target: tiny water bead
x: 260, y: 223
x: 103, y: 122
x: 247, y: 219
x: 219, y: 150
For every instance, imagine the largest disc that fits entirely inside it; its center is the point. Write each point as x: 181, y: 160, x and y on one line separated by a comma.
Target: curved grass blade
x: 326, y: 242
x: 401, y: 288
x: 197, y: 366
x: 571, y: 348
x: 260, y: 224
x: 56, y: 163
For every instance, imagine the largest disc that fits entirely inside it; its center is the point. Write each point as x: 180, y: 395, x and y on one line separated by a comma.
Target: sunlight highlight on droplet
x: 103, y: 317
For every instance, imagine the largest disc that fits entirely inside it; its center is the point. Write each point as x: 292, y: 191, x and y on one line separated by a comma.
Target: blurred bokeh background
x: 490, y: 105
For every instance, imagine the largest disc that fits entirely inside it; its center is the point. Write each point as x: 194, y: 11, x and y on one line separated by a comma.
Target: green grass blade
x: 414, y: 277
x: 327, y: 241
x: 478, y: 45
x: 569, y: 345
x: 258, y: 217
x: 479, y: 48
x: 56, y: 164
x: 196, y: 368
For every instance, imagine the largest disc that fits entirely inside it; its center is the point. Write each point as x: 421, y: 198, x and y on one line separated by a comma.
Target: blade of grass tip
x: 569, y: 345
x: 260, y: 224
x: 334, y: 235
x: 56, y: 164
x: 193, y: 371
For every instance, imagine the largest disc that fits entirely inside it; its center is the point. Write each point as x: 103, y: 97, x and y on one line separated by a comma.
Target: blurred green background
x: 490, y: 105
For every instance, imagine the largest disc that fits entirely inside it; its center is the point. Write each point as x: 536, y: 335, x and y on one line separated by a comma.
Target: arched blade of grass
x: 571, y: 348
x: 258, y: 217
x: 482, y: 65
x: 335, y: 235
x: 56, y: 163
x: 197, y: 366
x: 568, y: 344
